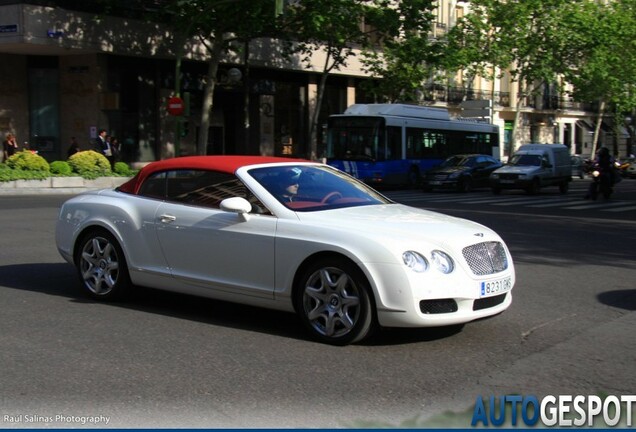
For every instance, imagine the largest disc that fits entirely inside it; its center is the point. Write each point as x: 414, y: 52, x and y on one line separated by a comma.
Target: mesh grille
x: 486, y: 258
x: 488, y: 302
x: 438, y: 306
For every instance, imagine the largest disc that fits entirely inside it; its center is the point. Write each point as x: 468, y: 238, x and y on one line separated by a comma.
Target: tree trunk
x: 597, y: 128
x: 313, y: 127
x: 208, y: 96
x: 515, y: 124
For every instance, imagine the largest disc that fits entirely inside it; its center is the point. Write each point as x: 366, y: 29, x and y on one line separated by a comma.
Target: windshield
x: 355, y: 138
x: 526, y: 159
x: 315, y: 187
x: 455, y: 161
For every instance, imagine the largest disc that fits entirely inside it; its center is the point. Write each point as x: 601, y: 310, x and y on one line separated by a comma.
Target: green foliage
x: 405, y: 61
x: 61, y: 168
x: 27, y: 161
x: 122, y: 168
x: 10, y: 174
x: 90, y: 164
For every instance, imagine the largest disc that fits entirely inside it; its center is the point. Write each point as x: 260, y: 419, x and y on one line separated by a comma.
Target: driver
x: 288, y: 184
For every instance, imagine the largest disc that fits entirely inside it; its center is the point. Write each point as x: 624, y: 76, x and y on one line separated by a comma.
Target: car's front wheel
x: 334, y: 302
x: 101, y: 266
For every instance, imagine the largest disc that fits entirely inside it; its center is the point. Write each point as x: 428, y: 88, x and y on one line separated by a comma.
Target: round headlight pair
x: 418, y: 263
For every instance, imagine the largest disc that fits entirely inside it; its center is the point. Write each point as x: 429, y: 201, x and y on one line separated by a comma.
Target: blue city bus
x: 392, y: 144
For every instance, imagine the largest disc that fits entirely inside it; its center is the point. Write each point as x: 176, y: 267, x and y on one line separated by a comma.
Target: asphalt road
x: 164, y: 360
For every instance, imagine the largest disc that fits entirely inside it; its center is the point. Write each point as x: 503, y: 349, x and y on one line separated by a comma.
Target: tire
x: 465, y: 184
x: 333, y: 302
x: 564, y: 187
x: 496, y: 191
x: 102, y: 267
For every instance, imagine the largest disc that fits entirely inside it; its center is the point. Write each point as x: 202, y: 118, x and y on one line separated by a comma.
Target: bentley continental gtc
x: 286, y: 234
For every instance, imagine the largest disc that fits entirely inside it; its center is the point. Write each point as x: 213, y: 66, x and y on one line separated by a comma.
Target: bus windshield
x: 355, y: 138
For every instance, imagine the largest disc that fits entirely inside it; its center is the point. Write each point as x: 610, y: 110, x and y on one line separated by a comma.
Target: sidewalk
x: 59, y: 185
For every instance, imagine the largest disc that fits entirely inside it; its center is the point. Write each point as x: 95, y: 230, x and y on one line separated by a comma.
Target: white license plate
x: 495, y: 287
x: 507, y: 181
x: 435, y: 182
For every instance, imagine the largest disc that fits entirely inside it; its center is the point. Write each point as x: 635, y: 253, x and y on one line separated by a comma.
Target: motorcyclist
x: 602, y: 175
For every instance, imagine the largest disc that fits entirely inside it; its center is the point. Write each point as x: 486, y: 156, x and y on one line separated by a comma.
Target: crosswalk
x: 573, y: 200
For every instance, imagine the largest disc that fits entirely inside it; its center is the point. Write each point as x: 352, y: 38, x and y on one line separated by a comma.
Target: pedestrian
x: 115, y: 150
x: 73, y: 147
x: 9, y: 147
x: 102, y: 145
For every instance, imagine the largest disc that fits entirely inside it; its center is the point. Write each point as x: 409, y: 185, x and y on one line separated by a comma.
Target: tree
x: 218, y: 25
x: 602, y: 54
x: 405, y: 56
x: 333, y: 28
x: 521, y: 36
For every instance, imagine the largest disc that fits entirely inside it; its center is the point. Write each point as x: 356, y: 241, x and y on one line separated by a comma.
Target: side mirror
x: 236, y: 205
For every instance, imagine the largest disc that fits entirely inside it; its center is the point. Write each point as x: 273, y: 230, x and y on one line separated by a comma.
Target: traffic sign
x: 175, y: 106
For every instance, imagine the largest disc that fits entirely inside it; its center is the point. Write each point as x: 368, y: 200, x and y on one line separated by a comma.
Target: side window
x: 154, y: 186
x: 208, y: 189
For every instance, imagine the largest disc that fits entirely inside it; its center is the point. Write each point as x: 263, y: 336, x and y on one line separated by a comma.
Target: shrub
x: 27, y: 161
x: 90, y: 164
x: 61, y: 168
x: 122, y: 168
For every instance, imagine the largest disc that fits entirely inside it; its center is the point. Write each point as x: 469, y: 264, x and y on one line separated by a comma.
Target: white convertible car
x: 285, y: 234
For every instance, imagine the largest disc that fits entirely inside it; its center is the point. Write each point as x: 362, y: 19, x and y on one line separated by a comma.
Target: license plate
x: 507, y: 181
x: 495, y: 287
x: 435, y: 182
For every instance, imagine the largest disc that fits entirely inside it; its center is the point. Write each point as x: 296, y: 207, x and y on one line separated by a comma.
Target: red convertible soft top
x: 227, y: 164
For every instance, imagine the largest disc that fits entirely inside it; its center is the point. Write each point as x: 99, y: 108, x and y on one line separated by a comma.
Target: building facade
x: 66, y: 71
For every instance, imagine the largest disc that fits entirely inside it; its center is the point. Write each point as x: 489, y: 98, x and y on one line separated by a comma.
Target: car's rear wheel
x: 334, y: 303
x: 101, y: 266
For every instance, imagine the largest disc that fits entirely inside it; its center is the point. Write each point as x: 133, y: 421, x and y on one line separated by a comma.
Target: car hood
x: 403, y: 224
x: 516, y: 169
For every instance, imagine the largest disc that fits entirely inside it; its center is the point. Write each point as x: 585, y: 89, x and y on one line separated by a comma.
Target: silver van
x: 534, y: 166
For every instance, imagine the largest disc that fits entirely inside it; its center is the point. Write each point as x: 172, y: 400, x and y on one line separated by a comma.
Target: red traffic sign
x: 175, y: 106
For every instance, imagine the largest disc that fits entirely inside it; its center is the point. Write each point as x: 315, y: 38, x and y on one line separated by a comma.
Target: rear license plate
x: 435, y: 182
x: 507, y: 181
x: 495, y: 287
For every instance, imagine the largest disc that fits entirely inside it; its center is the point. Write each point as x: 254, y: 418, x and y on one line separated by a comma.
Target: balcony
x: 456, y: 95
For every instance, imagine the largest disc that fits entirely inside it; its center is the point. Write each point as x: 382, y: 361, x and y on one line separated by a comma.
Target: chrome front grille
x: 486, y: 258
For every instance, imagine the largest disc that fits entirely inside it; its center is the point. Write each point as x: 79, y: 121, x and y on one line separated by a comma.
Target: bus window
x: 393, y: 143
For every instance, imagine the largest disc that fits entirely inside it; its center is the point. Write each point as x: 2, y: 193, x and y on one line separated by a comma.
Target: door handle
x: 167, y: 218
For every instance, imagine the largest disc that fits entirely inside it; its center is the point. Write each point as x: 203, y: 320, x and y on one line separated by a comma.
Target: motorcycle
x: 602, y: 183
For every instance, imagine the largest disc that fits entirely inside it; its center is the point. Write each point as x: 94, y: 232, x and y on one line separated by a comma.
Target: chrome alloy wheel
x: 333, y: 303
x: 99, y: 265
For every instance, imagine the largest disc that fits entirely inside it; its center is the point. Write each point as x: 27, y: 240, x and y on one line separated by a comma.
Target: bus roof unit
x: 399, y: 110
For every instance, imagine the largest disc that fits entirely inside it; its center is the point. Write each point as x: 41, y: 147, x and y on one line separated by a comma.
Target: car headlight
x: 442, y: 261
x: 415, y: 261
x: 494, y: 176
x: 454, y: 175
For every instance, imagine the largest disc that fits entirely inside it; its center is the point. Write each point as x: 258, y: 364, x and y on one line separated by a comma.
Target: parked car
x: 533, y: 167
x: 461, y: 172
x: 579, y: 167
x: 285, y: 234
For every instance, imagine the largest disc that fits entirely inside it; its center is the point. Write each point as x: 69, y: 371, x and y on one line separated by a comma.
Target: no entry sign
x: 175, y: 106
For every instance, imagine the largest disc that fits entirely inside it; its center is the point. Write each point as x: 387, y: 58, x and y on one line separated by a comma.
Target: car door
x: 481, y: 171
x: 215, y: 249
